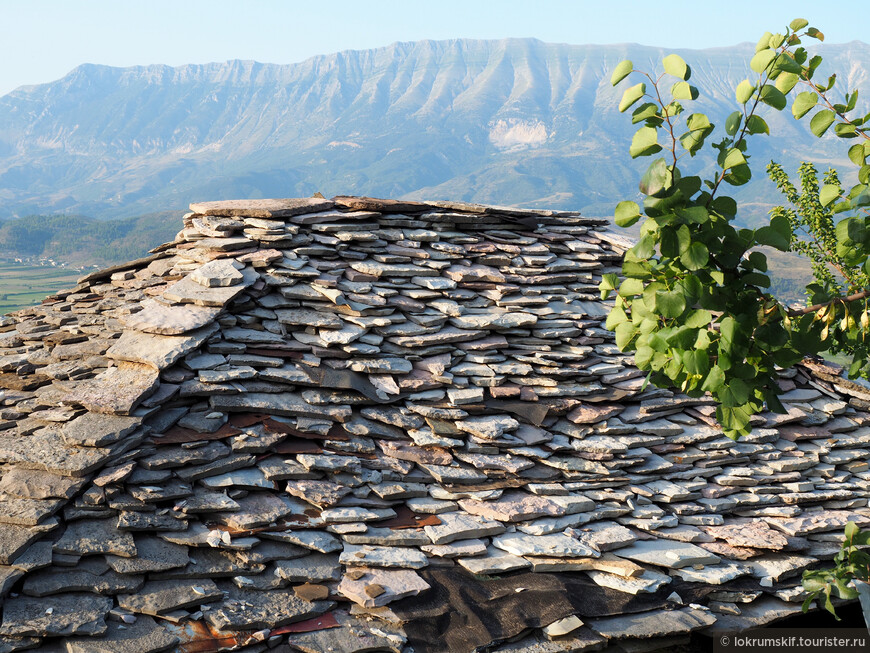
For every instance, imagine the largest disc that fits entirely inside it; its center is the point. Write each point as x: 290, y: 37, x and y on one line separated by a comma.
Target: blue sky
x: 44, y: 39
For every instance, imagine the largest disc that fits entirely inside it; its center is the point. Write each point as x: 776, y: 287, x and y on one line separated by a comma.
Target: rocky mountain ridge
x: 515, y: 121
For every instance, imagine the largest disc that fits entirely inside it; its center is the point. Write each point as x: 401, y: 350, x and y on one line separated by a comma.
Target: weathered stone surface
x: 514, y: 507
x: 383, y: 556
x: 557, y: 545
x: 46, y: 450
x: 314, y: 568
x: 142, y: 636
x: 152, y: 554
x: 656, y: 623
x: 96, y: 430
x: 756, y: 534
x: 386, y: 585
x: 162, y: 596
x: 493, y: 562
x: 170, y: 319
x: 188, y: 291
x: 34, y: 484
x: 457, y: 526
x: 14, y: 540
x: 156, y: 350
x: 266, y: 208
x: 250, y: 609
x: 93, y: 536
x: 57, y: 580
x: 217, y: 274
x: 670, y: 554
x: 116, y: 391
x: 65, y: 614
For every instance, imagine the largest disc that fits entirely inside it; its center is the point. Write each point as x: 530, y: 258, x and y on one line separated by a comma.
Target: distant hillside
x: 515, y: 121
x: 80, y: 240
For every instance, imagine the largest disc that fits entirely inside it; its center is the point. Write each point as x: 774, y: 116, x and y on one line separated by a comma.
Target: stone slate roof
x: 319, y: 424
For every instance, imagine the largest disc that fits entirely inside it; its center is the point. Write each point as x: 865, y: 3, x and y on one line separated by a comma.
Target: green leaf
x: 670, y: 303
x: 735, y: 393
x: 625, y: 333
x: 744, y: 91
x: 763, y: 42
x: 674, y: 65
x: 646, y: 111
x: 715, y: 380
x: 644, y: 143
x: 626, y: 213
x: 695, y: 257
x: 695, y: 214
x: 733, y: 158
x: 739, y: 175
x: 816, y: 34
x: 798, y: 24
x: 828, y: 194
x: 803, y: 104
x: 845, y: 130
x: 644, y: 248
x: 684, y: 91
x: 821, y: 121
x: 777, y: 235
x: 631, y: 287
x: 857, y: 154
x: 698, y: 318
x: 656, y: 178
x: 732, y: 123
x: 623, y: 69
x: 756, y: 125
x: 772, y: 97
x: 787, y: 81
x: 699, y: 127
x: 762, y: 59
x: 609, y: 281
x: 631, y: 95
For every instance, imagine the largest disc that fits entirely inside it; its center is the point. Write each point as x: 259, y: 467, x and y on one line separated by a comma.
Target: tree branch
x: 812, y: 309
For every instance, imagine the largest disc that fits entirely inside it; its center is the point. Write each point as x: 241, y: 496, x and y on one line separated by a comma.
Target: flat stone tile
x: 667, y: 553
x: 161, y: 596
x: 254, y: 610
x: 145, y: 635
x: 158, y: 351
x: 56, y: 616
x: 95, y: 536
x: 170, y: 319
x: 376, y: 587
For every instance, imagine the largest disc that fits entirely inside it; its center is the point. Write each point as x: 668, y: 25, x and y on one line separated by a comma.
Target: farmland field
x: 25, y: 285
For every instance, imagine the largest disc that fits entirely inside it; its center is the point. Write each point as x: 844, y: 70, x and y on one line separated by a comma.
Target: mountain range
x: 515, y: 122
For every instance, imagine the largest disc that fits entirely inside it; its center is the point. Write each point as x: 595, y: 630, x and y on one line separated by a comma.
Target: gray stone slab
x: 152, y: 554
x: 383, y: 556
x: 142, y: 636
x: 170, y: 319
x: 656, y: 623
x: 61, y: 580
x: 254, y: 610
x: 667, y: 553
x: 158, y: 597
x: 96, y: 430
x: 95, y: 536
x: 315, y: 568
x: 46, y: 450
x: 556, y: 545
x: 155, y: 350
x: 15, y: 540
x: 188, y: 291
x: 116, y: 391
x: 36, y: 484
x: 219, y: 273
x: 27, y: 512
x: 265, y: 208
x: 459, y: 526
x: 352, y: 636
x: 284, y: 404
x: 61, y: 615
x: 376, y: 587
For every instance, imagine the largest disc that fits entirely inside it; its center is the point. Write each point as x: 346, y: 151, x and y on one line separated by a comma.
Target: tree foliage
x: 693, y: 302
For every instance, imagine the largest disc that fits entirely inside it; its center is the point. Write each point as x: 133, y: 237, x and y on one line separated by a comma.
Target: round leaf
x: 674, y: 65
x: 626, y: 213
x: 828, y: 194
x: 732, y: 123
x: 744, y: 91
x: 695, y: 257
x: 773, y: 97
x: 656, y: 178
x: 684, y: 91
x: 803, y: 103
x: 670, y: 303
x: 762, y: 60
x: 733, y: 158
x: 623, y: 69
x: 756, y: 125
x: 821, y: 121
x: 644, y: 142
x: 798, y: 24
x: 631, y: 95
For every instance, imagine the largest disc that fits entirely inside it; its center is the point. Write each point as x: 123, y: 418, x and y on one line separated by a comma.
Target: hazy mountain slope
x: 515, y: 121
